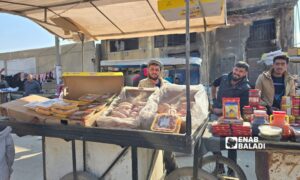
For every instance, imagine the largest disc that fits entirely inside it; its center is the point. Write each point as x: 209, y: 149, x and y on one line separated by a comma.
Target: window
x: 179, y: 39
x: 124, y: 44
x: 159, y: 41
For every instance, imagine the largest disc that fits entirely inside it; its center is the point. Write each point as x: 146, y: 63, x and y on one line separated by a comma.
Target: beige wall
x: 146, y: 50
x: 46, y: 57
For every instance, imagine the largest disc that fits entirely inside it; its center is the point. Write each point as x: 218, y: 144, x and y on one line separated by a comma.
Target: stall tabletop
x: 137, y: 138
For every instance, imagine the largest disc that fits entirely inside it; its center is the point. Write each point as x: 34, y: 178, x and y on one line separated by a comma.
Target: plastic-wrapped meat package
x: 167, y: 123
x: 124, y: 111
x: 173, y: 97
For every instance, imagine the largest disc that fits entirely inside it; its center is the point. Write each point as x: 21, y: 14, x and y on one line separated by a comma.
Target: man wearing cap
x: 154, y: 78
x: 275, y: 83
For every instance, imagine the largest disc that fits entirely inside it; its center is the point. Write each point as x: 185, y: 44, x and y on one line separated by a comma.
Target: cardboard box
x: 294, y: 51
x: 77, y: 84
x: 81, y: 83
x: 17, y: 111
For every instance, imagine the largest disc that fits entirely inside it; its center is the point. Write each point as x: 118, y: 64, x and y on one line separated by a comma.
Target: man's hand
x: 275, y: 109
x: 217, y: 111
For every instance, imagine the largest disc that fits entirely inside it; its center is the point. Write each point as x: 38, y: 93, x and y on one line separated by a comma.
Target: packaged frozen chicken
x: 167, y: 123
x: 64, y: 105
x: 89, y: 97
x: 172, y: 96
x: 125, y: 108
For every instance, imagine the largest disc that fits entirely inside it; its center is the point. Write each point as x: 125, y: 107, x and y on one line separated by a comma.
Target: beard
x: 237, y: 78
x: 153, y: 78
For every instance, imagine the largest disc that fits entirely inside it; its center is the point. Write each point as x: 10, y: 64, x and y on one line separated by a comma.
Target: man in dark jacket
x: 234, y: 84
x: 31, y: 86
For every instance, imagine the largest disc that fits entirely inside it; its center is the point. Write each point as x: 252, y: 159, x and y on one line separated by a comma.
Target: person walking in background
x: 31, y: 86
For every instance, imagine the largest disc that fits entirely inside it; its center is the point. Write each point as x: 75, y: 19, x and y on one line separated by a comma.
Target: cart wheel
x: 224, y: 165
x: 186, y: 173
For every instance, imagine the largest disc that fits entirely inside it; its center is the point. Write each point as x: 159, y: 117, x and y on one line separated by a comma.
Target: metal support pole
x: 123, y: 152
x: 58, y: 70
x: 84, y: 154
x: 187, y: 68
x: 74, y: 160
x: 44, y: 157
x: 196, y: 160
x: 134, y: 162
x: 152, y: 163
x: 82, y: 49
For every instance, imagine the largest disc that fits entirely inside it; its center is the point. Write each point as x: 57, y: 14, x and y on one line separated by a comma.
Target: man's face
x: 238, y: 73
x: 154, y: 72
x: 29, y: 77
x: 280, y: 66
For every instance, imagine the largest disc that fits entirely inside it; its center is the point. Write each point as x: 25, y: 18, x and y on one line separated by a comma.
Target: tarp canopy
x: 138, y: 62
x: 111, y: 19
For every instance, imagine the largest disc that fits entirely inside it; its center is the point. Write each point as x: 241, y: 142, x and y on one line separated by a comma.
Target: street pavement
x: 28, y: 161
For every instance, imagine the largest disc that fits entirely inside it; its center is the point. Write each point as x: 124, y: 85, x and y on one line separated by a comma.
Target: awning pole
x: 81, y: 36
x: 187, y: 72
x: 58, y: 61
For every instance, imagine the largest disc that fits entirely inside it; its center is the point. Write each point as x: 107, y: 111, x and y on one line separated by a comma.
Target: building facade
x: 254, y: 27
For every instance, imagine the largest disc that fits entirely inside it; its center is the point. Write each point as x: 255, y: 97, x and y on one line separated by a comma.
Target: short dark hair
x: 242, y: 64
x: 284, y: 57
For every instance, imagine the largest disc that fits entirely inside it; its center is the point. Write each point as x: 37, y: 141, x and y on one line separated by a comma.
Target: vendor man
x: 234, y: 84
x: 154, y: 78
x: 275, y: 83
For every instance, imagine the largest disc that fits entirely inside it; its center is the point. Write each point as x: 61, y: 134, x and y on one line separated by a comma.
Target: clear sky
x: 18, y: 33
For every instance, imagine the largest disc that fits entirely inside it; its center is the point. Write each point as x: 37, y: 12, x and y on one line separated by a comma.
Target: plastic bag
x: 175, y: 96
x: 124, y: 110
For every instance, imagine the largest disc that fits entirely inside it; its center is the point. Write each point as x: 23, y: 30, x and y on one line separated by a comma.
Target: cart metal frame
x: 127, y: 138
x: 134, y: 138
x: 203, y: 146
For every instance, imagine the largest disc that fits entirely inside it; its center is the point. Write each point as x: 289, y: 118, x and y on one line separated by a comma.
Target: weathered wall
x: 46, y: 57
x: 286, y: 27
x: 228, y: 47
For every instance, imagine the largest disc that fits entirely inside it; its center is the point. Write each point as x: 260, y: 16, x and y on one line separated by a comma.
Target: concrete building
x: 44, y: 60
x: 255, y: 27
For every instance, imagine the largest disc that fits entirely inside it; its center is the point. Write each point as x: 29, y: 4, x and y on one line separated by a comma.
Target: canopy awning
x: 110, y: 19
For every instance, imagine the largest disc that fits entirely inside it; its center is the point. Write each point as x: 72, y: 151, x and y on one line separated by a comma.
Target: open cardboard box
x: 17, y: 111
x: 77, y: 84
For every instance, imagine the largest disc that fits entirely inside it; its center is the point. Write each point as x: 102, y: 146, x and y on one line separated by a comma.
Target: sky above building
x: 18, y: 33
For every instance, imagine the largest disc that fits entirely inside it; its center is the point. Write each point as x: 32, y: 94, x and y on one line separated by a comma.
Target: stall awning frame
x: 106, y: 19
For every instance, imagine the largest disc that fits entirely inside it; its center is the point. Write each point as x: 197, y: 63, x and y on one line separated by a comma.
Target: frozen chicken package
x: 124, y: 111
x: 172, y: 97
